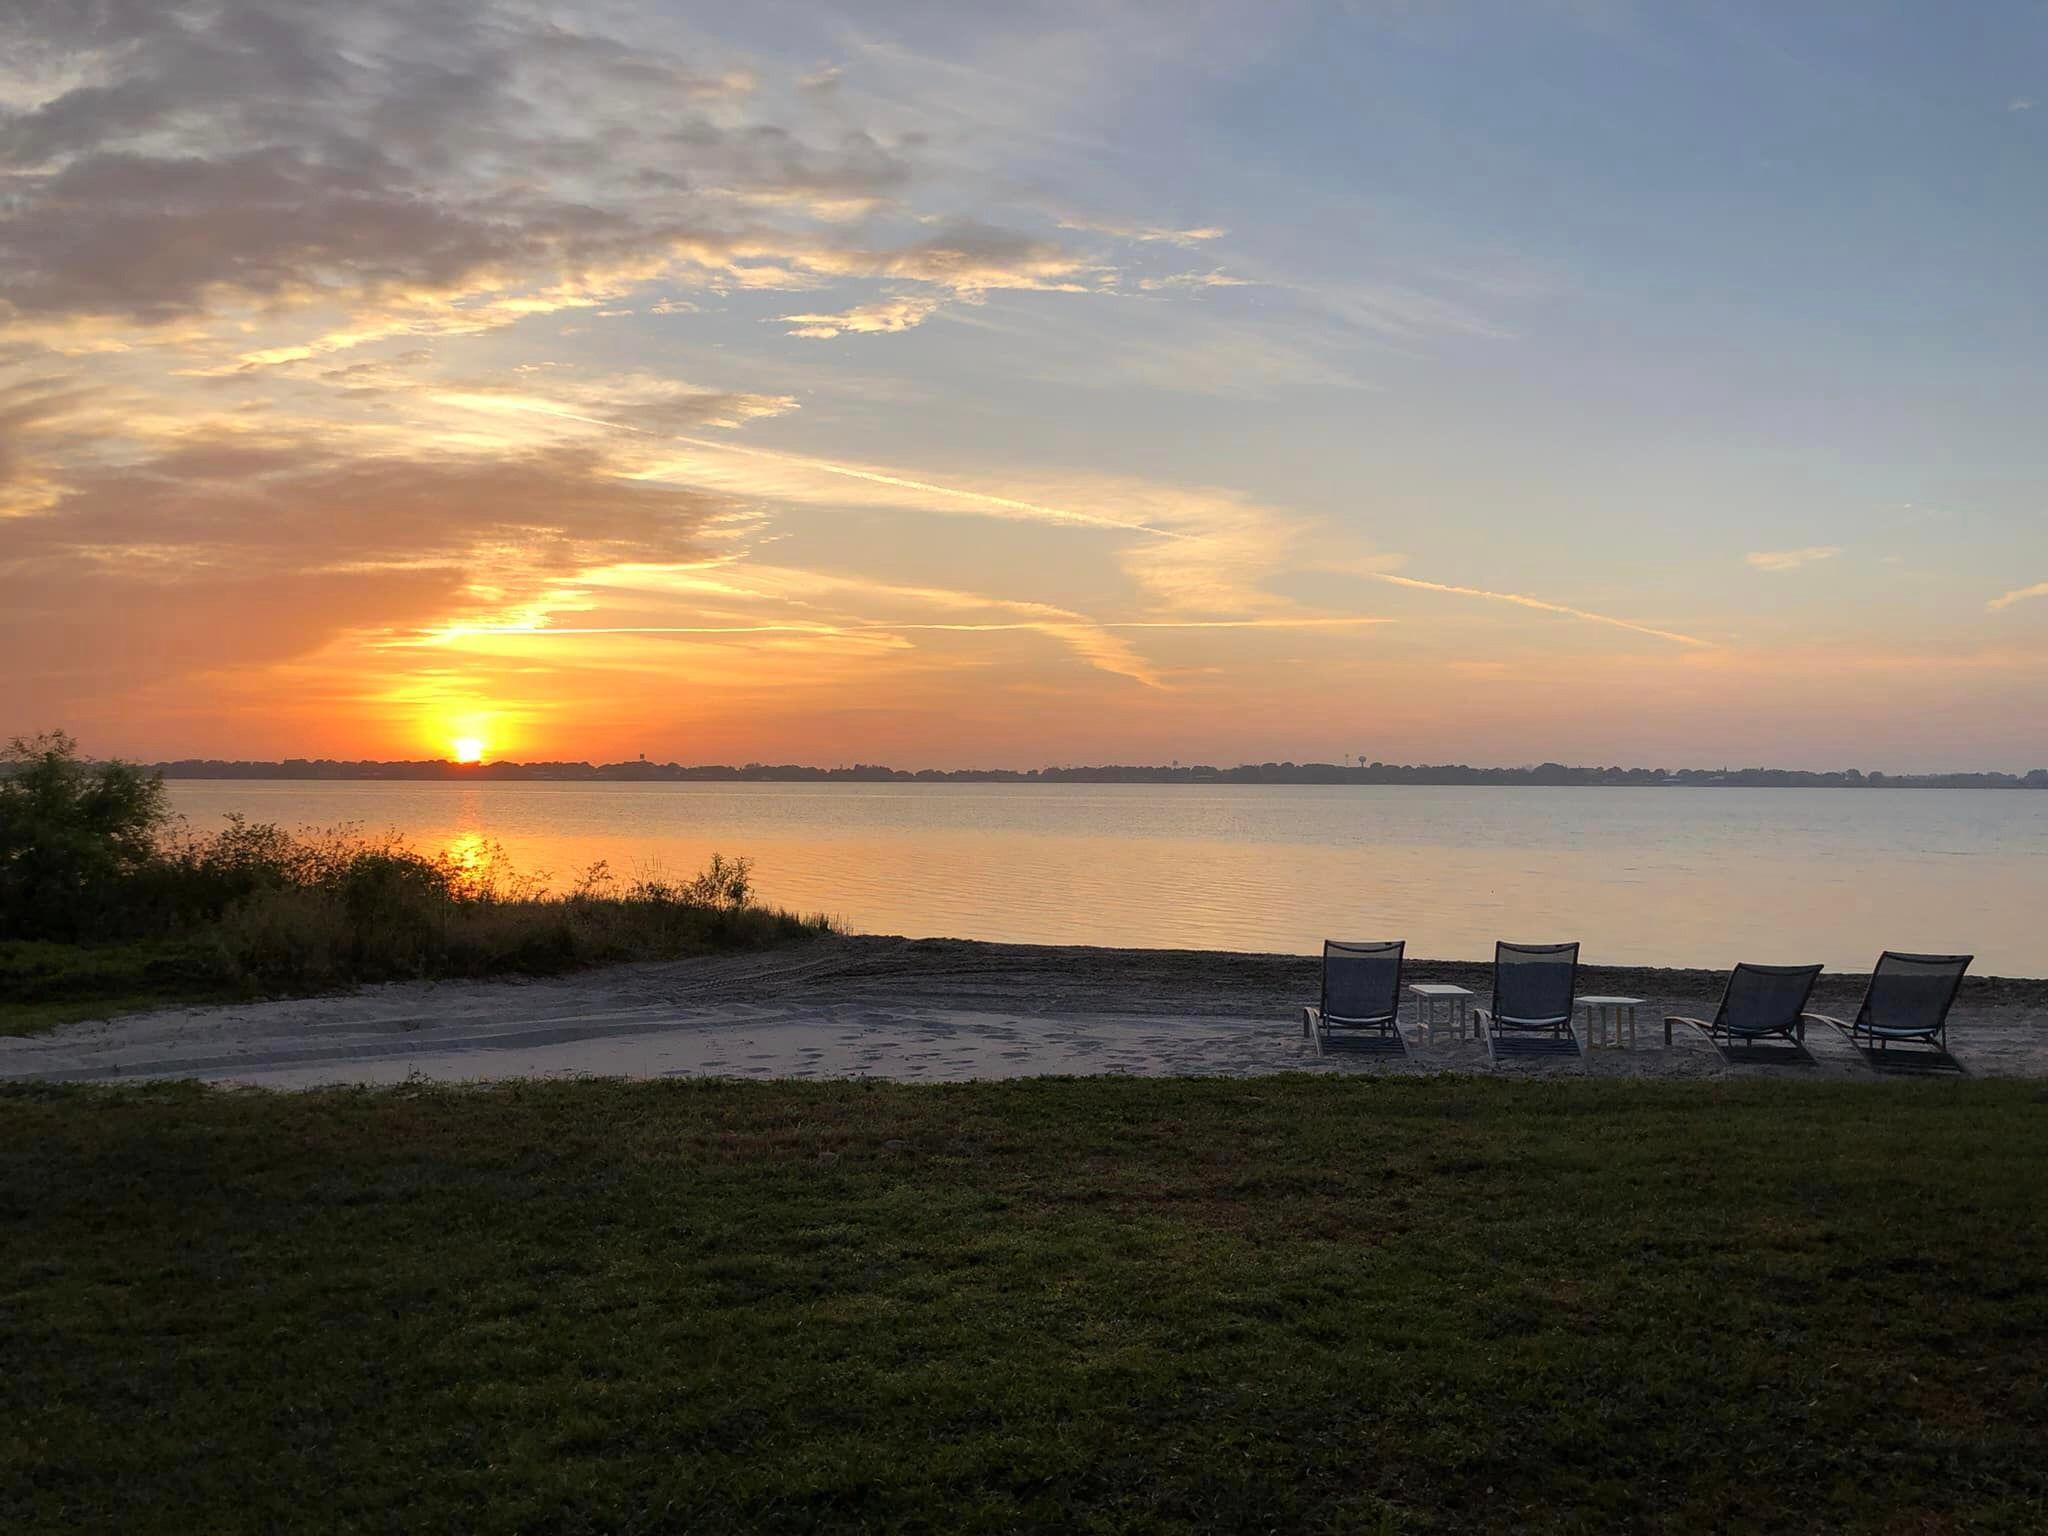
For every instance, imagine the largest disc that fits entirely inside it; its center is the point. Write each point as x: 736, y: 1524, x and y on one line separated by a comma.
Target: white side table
x: 1605, y: 1012
x: 1439, y: 1003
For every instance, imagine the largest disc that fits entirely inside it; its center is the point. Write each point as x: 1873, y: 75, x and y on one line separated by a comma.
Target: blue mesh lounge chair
x: 1760, y: 1002
x: 1907, y: 1001
x: 1361, y: 999
x: 1533, y: 987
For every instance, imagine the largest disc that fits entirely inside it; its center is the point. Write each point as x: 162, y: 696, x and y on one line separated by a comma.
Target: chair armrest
x: 1824, y: 1018
x: 1311, y: 1021
x: 1679, y: 1018
x: 1484, y: 1016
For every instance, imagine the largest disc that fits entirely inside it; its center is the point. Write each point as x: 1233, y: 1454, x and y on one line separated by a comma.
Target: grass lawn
x: 1286, y: 1304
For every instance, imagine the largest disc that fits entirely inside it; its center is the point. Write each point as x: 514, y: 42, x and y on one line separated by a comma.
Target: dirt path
x: 921, y: 1010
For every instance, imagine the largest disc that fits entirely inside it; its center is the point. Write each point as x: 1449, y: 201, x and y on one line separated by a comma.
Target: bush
x: 73, y: 835
x: 364, y: 911
x: 85, y: 855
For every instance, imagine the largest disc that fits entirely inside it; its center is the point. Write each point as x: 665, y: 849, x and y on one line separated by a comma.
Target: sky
x: 940, y: 385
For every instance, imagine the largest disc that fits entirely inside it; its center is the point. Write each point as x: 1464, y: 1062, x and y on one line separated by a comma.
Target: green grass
x: 1284, y: 1304
x: 41, y: 1017
x: 43, y: 984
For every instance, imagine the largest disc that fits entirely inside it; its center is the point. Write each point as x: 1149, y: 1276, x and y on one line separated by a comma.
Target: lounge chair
x: 1908, y: 999
x: 1533, y: 987
x: 1760, y: 1002
x: 1361, y: 997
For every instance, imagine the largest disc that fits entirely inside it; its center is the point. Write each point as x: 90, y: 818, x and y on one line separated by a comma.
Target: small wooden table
x: 1440, y: 1003
x: 1601, y: 1011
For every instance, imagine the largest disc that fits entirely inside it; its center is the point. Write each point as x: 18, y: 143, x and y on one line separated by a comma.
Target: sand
x: 931, y: 1011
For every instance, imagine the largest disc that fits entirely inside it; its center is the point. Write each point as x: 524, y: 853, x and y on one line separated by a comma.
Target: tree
x: 69, y: 832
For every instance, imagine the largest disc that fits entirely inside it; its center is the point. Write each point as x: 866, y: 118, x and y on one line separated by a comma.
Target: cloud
x: 883, y: 318
x: 824, y: 596
x: 279, y: 283
x: 1215, y: 279
x: 1540, y: 605
x: 236, y: 548
x: 1146, y: 233
x: 1791, y: 559
x: 902, y: 489
x: 1395, y: 310
x: 641, y: 402
x: 433, y: 170
x: 2017, y: 595
x: 2020, y: 104
x: 842, y: 606
x: 967, y: 257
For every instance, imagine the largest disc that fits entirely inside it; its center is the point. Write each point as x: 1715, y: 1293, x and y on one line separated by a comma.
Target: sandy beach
x: 930, y: 1011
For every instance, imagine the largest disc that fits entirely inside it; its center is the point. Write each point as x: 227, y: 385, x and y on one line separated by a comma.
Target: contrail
x: 823, y: 466
x: 1538, y: 603
x: 1028, y: 508
x: 866, y: 625
x: 1064, y: 515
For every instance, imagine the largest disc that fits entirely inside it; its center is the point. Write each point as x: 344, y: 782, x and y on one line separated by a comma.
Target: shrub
x: 84, y: 854
x: 724, y: 883
x: 72, y: 834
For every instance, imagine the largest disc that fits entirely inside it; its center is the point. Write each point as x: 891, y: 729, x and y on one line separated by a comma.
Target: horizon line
x: 1174, y: 769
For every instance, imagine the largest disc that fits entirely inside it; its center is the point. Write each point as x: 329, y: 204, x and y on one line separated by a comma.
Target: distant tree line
x: 1549, y: 774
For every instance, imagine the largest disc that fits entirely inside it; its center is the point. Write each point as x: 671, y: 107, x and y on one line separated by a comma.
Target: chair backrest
x: 1765, y: 999
x: 1912, y: 992
x: 1533, y: 984
x: 1361, y: 981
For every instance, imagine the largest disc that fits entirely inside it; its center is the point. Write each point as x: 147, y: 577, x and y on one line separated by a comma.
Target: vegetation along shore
x: 106, y: 905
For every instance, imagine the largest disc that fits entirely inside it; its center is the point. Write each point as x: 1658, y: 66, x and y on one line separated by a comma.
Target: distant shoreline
x: 1546, y: 775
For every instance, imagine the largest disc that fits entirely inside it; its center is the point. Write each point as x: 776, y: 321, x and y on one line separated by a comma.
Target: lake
x: 1640, y: 876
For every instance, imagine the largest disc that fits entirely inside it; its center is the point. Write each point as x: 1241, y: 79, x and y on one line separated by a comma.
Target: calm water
x: 1641, y: 876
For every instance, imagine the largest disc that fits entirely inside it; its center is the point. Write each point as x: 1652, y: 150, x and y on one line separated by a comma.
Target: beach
x: 937, y: 1010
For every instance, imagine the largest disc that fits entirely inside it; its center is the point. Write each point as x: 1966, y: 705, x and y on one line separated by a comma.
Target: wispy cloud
x: 2017, y: 595
x: 2020, y: 104
x: 1205, y: 548
x: 1147, y: 233
x: 1791, y: 559
x: 983, y: 500
x: 885, y: 317
x: 1051, y: 625
x: 818, y: 592
x: 1540, y: 605
x: 1216, y: 279
x: 1093, y: 641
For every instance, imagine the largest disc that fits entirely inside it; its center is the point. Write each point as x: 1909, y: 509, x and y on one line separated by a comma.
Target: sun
x: 468, y: 749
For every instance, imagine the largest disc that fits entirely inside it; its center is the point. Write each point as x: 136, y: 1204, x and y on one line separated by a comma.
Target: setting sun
x: 468, y: 749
